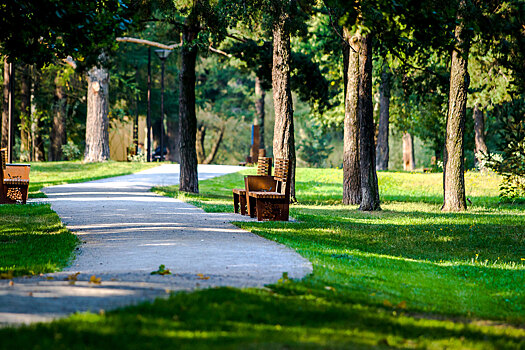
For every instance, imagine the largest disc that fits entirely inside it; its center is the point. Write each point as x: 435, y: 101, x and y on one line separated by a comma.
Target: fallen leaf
x: 95, y: 280
x: 202, y: 277
x: 73, y: 277
x: 11, y: 283
x: 402, y: 305
x: 49, y: 278
x: 30, y: 294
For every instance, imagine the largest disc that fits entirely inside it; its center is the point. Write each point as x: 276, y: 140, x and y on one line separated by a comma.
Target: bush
x: 511, y: 117
x: 71, y: 151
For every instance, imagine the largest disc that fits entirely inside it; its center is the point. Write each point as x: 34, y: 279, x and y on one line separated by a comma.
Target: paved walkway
x: 127, y: 232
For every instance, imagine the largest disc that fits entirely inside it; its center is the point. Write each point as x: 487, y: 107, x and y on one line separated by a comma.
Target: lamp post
x: 148, y: 117
x: 163, y: 55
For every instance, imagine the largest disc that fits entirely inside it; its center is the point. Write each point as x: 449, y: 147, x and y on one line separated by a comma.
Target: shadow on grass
x: 232, y: 318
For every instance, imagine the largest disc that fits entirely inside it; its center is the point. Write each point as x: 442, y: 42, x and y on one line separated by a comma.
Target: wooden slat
x: 270, y: 195
x: 240, y: 191
x: 264, y: 166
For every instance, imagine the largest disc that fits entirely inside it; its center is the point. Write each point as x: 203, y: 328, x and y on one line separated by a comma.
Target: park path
x: 127, y: 231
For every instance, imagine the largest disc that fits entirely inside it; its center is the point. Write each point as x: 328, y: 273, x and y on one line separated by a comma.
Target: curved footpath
x: 127, y: 232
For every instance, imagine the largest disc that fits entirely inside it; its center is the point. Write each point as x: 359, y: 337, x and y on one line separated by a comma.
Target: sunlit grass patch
x: 33, y: 240
x: 57, y: 173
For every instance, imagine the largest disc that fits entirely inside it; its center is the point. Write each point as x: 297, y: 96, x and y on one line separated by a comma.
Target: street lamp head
x: 163, y: 53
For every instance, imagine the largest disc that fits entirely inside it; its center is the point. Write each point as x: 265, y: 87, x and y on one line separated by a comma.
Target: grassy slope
x: 376, y: 278
x: 32, y: 238
x: 58, y: 173
x: 466, y: 264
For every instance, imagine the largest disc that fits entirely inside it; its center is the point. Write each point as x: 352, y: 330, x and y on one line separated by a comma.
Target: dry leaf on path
x: 202, y: 277
x: 95, y: 280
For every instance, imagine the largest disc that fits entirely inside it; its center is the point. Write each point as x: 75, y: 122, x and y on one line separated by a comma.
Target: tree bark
x: 189, y: 180
x: 58, y: 128
x: 5, y: 106
x: 37, y: 143
x: 97, y: 123
x: 260, y: 94
x: 382, y: 149
x: 25, y: 115
x: 283, y: 139
x: 453, y: 162
x: 172, y: 133
x: 351, y: 172
x: 479, y: 134
x: 367, y: 149
x: 409, y: 163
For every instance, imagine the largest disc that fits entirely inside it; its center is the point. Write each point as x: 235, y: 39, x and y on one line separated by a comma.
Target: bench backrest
x: 3, y: 153
x: 282, y: 175
x: 2, y: 171
x: 264, y: 166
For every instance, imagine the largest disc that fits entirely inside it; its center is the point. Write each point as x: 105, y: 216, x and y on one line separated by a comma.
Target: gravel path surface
x: 127, y: 232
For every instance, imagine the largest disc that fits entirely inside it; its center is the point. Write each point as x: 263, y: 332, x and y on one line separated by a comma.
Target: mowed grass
x: 57, y: 173
x: 468, y: 264
x: 407, y: 277
x: 32, y: 238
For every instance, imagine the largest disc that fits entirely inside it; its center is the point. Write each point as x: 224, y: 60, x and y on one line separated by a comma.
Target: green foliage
x: 71, y: 151
x: 313, y: 146
x: 511, y: 117
x: 41, y: 31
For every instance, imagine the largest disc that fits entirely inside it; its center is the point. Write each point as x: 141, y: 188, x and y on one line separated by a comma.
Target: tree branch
x: 219, y: 52
x: 148, y: 43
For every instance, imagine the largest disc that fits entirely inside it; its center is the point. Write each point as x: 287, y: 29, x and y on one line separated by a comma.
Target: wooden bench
x: 268, y: 197
x: 15, y: 181
x: 264, y: 168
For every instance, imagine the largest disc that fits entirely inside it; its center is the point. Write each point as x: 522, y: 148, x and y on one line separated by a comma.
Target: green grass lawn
x: 406, y: 277
x: 32, y: 238
x: 57, y: 173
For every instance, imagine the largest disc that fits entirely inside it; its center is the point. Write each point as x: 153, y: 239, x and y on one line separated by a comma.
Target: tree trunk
x: 58, y: 128
x: 172, y: 133
x: 409, y: 163
x: 25, y: 115
x: 351, y: 172
x: 5, y: 106
x: 260, y: 94
x: 479, y: 131
x: 453, y: 162
x: 36, y: 138
x: 283, y: 139
x: 189, y: 179
x: 201, y: 135
x: 367, y: 149
x: 97, y: 123
x: 211, y: 156
x: 384, y: 120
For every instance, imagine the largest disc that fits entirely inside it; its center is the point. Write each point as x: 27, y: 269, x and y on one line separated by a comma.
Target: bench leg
x: 251, y: 204
x: 236, y: 203
x: 242, y: 203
